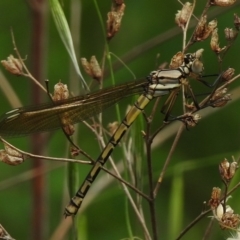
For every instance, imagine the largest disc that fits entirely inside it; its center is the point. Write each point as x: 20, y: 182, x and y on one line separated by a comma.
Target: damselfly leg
x: 189, y: 94
x: 160, y: 83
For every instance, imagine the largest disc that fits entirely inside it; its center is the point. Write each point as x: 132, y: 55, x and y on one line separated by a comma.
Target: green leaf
x: 65, y: 34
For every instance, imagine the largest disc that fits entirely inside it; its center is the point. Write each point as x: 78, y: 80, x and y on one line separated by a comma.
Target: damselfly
x: 48, y: 116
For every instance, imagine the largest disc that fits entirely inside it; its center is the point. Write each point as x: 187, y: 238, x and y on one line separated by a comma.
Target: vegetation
x: 177, y: 163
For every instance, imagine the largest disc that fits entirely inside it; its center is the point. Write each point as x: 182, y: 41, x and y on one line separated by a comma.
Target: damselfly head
x: 191, y: 60
x: 191, y: 57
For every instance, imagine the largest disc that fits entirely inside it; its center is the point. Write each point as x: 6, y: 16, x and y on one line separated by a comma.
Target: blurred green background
x: 148, y: 29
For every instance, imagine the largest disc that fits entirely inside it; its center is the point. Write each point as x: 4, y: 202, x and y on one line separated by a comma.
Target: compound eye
x: 187, y: 58
x: 197, y: 66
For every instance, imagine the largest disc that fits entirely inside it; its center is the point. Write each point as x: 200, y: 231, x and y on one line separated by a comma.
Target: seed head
x: 228, y: 74
x: 222, y: 3
x: 114, y: 19
x: 220, y: 98
x: 96, y: 70
x: 69, y: 128
x: 227, y: 170
x: 61, y: 92
x: 215, y: 198
x: 11, y: 156
x: 215, y: 42
x: 203, y: 29
x: 13, y: 65
x: 182, y: 16
x: 230, y: 34
x: 230, y: 220
x: 176, y: 60
x: 198, y: 53
x: 227, y: 218
x: 236, y: 21
x: 92, y: 68
x: 191, y: 120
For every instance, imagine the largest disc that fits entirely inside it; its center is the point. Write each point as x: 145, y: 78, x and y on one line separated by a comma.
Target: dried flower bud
x: 183, y: 16
x: 114, y: 20
x: 191, y: 120
x: 10, y: 156
x: 226, y: 217
x: 10, y: 160
x: 96, y: 70
x: 11, y: 151
x: 176, y: 60
x: 12, y: 65
x: 220, y: 98
x: 203, y: 30
x: 229, y: 220
x: 190, y: 107
x: 223, y: 101
x: 69, y: 129
x: 236, y: 21
x: 227, y: 170
x: 61, y: 92
x: 230, y: 34
x: 67, y: 124
x: 92, y: 68
x: 196, y: 118
x: 214, y: 40
x: 212, y: 25
x: 74, y: 151
x: 215, y: 198
x: 222, y: 3
x: 228, y: 74
x: 3, y: 156
x: 215, y: 43
x: 86, y: 66
x: 113, y: 127
x: 198, y: 53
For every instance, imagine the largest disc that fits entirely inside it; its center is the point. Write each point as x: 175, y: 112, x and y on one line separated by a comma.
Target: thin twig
x: 176, y: 140
x: 150, y: 183
x: 191, y: 40
x: 202, y: 214
x: 208, y: 229
x: 185, y: 29
x: 29, y: 75
x: 205, y: 100
x: 4, y: 234
x: 30, y: 155
x: 127, y: 184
